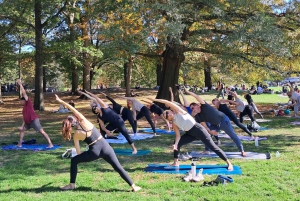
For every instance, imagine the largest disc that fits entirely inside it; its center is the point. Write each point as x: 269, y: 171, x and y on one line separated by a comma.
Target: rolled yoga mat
x: 182, y: 169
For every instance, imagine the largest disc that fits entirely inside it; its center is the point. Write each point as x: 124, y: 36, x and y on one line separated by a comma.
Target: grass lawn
x: 29, y: 175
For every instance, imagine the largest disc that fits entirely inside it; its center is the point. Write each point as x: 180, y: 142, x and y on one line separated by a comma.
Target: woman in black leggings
x: 251, y: 102
x: 125, y: 113
x: 106, y: 114
x: 194, y: 131
x: 98, y: 147
x: 141, y: 109
x: 228, y: 112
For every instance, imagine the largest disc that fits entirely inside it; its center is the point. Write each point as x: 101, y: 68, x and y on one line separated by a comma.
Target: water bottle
x: 256, y: 141
x: 193, y: 169
x: 277, y: 154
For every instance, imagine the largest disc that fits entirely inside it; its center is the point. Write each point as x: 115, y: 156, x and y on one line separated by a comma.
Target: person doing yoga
x: 193, y: 131
x: 97, y: 146
x: 296, y: 97
x: 106, y: 114
x: 157, y: 113
x: 142, y: 110
x: 228, y: 112
x: 125, y: 113
x: 251, y: 103
x: 217, y: 119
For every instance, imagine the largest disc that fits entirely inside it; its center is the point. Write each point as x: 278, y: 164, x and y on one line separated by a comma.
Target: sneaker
x: 199, y: 176
x: 181, y: 157
x: 188, y: 177
x: 187, y: 155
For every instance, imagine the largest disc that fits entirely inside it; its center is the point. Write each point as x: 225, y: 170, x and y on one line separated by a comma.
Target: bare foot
x: 136, y: 188
x: 174, y: 165
x: 50, y: 146
x: 205, y: 152
x: 134, y: 151
x: 243, y: 154
x: 68, y: 187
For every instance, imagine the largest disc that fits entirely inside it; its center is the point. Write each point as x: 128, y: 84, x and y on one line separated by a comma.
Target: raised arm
x: 172, y: 105
x: 127, y: 98
x: 228, y: 101
x: 291, y: 88
x: 99, y: 100
x: 185, y: 102
x: 87, y: 95
x: 198, y: 98
x: 22, y: 90
x: 109, y: 98
x: 234, y: 94
x: 147, y: 102
x: 79, y: 116
x: 171, y: 94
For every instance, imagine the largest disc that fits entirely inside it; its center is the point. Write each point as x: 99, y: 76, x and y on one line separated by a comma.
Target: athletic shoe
x: 187, y: 155
x: 181, y: 157
x: 188, y: 177
x: 198, y: 177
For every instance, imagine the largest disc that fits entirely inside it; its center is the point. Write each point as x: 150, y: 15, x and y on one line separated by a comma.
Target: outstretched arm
x: 109, y: 98
x: 22, y: 90
x: 171, y: 94
x: 198, y: 98
x: 291, y: 88
x: 88, y: 96
x: 185, y: 102
x: 172, y: 105
x: 234, y: 94
x: 127, y: 98
x: 79, y: 116
x: 147, y: 102
x: 228, y: 101
x: 99, y: 100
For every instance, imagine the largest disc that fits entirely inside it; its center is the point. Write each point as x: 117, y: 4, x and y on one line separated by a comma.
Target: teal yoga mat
x: 128, y: 152
x: 161, y: 131
x: 182, y: 169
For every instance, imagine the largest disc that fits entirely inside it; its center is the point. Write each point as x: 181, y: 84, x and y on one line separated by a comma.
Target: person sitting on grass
x: 98, y: 147
x: 193, y: 131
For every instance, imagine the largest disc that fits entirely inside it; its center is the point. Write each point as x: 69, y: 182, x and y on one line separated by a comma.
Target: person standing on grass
x: 106, y: 114
x: 251, y: 102
x: 193, y: 131
x: 228, y: 112
x: 217, y: 119
x: 142, y: 110
x: 296, y: 97
x: 158, y: 113
x: 125, y: 113
x: 30, y: 119
x: 98, y: 147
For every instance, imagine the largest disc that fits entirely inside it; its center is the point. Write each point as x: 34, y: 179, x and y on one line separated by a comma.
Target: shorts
x: 35, y: 124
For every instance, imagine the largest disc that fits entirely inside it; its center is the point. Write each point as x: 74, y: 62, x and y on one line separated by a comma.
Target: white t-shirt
x: 295, y: 95
x: 184, y: 121
x: 136, y: 105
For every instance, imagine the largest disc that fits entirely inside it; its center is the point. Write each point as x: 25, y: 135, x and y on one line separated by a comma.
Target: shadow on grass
x: 48, y: 188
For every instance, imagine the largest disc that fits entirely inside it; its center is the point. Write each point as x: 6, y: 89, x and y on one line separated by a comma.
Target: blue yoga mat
x: 182, y: 169
x: 128, y: 152
x: 32, y: 147
x: 161, y: 131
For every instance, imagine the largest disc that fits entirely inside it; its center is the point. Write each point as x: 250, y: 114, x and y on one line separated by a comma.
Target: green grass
x: 26, y: 175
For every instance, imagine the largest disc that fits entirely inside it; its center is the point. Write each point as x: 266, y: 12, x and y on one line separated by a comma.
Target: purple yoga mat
x: 246, y: 138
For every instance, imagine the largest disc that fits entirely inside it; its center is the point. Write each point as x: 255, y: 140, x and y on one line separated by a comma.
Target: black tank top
x: 224, y: 108
x: 94, y: 136
x: 156, y: 109
x: 109, y: 115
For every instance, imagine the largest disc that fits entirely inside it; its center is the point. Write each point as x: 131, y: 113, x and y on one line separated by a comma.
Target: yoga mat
x: 241, y: 137
x: 295, y: 123
x: 128, y: 152
x: 32, y: 147
x: 160, y: 131
x: 121, y: 139
x: 259, y: 120
x: 250, y: 155
x: 260, y: 128
x: 223, y: 144
x: 182, y: 169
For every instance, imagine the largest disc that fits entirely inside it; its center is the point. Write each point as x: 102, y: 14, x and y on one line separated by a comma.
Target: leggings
x: 233, y: 118
x: 255, y: 109
x: 198, y: 132
x: 127, y: 115
x: 100, y: 149
x: 247, y: 111
x: 121, y: 128
x: 145, y: 112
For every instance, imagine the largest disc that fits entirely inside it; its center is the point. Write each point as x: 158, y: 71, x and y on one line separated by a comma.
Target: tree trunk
x: 85, y: 37
x: 39, y: 95
x: 44, y: 79
x: 173, y: 57
x: 207, y: 75
x: 158, y: 73
x: 73, y: 66
x: 127, y: 75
